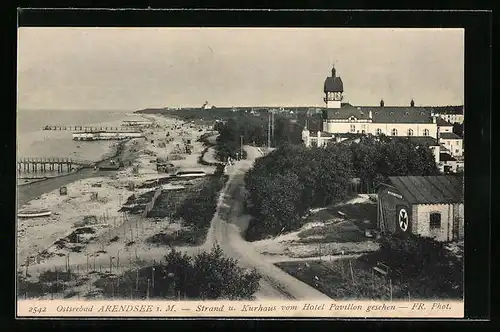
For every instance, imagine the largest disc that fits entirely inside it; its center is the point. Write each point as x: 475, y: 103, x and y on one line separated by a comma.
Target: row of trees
x: 285, y: 184
x: 376, y: 158
x: 254, y: 130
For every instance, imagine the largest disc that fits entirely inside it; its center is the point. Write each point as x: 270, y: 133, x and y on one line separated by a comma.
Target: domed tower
x: 333, y: 89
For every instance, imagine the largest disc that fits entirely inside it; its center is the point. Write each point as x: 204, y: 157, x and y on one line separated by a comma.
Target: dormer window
x: 352, y: 118
x: 422, y: 113
x: 407, y: 113
x: 391, y: 113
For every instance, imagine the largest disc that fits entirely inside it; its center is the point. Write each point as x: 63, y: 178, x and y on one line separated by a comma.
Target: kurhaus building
x: 342, y: 118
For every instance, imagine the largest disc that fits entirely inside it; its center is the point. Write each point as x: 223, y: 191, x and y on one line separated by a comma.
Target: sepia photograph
x: 240, y: 164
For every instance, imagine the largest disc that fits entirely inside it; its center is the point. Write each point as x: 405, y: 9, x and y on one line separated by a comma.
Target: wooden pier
x: 88, y: 129
x: 37, y: 164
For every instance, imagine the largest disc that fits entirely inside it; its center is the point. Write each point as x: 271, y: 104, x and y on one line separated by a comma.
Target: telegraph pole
x: 241, y: 146
x: 269, y: 131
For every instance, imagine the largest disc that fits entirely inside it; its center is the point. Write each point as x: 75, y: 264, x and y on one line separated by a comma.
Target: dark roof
x: 349, y: 135
x: 421, y: 140
x: 446, y: 157
x: 449, y: 109
x: 321, y: 134
x: 400, y: 114
x: 382, y: 114
x: 345, y: 112
x: 429, y: 189
x: 333, y: 84
x: 443, y: 123
x: 449, y: 136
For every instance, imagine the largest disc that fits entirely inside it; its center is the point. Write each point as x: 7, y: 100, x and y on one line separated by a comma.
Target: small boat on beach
x: 34, y: 214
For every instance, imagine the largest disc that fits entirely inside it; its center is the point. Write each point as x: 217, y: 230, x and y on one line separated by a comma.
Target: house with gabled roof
x: 452, y: 143
x: 429, y: 206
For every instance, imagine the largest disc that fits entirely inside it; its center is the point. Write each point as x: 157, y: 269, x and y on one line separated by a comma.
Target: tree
x: 376, y: 159
x: 427, y: 267
x: 208, y: 276
x: 281, y: 204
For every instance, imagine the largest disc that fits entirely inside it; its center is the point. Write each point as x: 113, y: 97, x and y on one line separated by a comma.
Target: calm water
x: 32, y: 141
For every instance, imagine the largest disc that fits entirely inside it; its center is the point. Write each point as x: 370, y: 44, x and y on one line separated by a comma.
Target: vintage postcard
x: 240, y: 172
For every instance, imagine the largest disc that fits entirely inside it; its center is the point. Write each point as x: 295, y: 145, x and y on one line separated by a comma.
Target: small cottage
x: 430, y: 206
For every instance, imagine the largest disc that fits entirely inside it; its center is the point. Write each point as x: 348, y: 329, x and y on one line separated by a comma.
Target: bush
x: 206, y: 276
x: 211, y: 275
x: 424, y: 265
x: 198, y: 210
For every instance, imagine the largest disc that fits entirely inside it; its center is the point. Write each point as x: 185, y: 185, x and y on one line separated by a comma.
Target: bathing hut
x: 63, y: 191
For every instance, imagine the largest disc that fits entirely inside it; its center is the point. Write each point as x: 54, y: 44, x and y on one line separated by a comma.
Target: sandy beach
x: 94, y: 199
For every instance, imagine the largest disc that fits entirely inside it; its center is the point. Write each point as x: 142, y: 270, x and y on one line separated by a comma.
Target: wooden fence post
x: 390, y: 288
x: 352, y: 272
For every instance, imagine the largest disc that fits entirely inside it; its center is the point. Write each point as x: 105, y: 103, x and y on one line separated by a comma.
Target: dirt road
x: 227, y: 228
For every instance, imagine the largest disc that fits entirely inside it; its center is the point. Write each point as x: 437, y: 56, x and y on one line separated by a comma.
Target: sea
x: 33, y: 141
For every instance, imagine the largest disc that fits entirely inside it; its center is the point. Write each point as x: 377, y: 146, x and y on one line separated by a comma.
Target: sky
x: 136, y: 68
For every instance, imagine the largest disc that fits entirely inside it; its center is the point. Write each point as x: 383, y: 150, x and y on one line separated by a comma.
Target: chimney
x: 381, y: 103
x: 433, y: 119
x: 370, y: 113
x: 412, y: 103
x: 319, y: 134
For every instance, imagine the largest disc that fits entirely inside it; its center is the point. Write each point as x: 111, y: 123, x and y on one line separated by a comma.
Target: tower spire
x: 334, y: 71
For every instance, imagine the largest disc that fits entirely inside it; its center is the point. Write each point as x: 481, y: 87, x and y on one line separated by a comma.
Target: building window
x: 426, y: 132
x: 435, y: 220
x: 378, y: 131
x: 363, y: 132
x: 394, y: 132
x: 456, y: 151
x: 353, y: 128
x: 410, y: 132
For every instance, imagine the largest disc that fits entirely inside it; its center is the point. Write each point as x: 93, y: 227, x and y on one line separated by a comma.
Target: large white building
x: 340, y: 119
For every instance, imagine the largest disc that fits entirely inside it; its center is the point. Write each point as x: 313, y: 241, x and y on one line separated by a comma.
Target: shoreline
x: 114, y: 231
x: 29, y: 191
